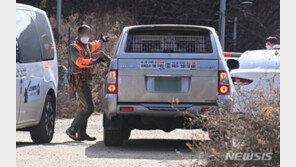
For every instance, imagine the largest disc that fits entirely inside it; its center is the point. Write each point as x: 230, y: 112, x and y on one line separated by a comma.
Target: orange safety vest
x: 94, y: 46
x: 85, y: 61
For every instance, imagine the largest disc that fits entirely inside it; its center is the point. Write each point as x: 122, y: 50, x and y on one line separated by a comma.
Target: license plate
x: 168, y: 64
x: 167, y: 84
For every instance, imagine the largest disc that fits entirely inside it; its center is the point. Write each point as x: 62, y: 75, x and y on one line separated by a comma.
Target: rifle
x: 72, y: 90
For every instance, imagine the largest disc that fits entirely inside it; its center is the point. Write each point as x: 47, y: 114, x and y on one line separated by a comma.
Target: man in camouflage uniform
x: 81, y: 63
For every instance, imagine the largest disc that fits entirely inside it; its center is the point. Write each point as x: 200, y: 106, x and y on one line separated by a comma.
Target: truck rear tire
x: 126, y: 133
x: 43, y: 132
x: 113, y: 134
x: 113, y: 137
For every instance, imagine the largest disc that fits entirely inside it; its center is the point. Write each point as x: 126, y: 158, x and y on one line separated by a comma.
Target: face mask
x: 84, y: 39
x: 267, y: 46
x: 46, y: 46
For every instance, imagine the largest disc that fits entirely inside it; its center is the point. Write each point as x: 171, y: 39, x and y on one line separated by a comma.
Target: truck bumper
x: 112, y: 108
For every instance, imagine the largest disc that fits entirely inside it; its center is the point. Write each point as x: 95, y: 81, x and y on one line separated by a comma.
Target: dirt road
x: 145, y: 148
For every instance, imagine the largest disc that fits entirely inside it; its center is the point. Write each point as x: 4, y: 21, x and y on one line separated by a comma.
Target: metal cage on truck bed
x: 169, y: 41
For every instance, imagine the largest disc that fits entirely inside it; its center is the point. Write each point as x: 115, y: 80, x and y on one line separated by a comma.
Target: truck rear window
x: 169, y: 41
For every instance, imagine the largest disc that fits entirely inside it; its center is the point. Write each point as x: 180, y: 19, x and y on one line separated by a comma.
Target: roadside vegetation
x: 256, y: 130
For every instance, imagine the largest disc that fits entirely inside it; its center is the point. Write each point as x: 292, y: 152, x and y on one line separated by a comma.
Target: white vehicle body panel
x: 258, y: 76
x: 34, y: 80
x: 31, y: 92
x: 262, y: 67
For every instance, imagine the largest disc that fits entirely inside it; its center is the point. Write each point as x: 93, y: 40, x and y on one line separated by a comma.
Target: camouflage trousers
x: 85, y: 106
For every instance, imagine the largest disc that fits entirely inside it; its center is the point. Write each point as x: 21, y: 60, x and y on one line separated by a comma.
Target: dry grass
x: 257, y: 130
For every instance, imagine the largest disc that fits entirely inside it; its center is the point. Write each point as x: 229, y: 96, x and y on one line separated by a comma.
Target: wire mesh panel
x: 169, y: 41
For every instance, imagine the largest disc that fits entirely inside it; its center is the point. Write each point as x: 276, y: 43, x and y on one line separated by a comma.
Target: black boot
x: 72, y: 134
x: 84, y: 136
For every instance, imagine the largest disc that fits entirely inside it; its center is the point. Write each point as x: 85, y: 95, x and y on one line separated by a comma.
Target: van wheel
x: 113, y: 137
x: 43, y: 132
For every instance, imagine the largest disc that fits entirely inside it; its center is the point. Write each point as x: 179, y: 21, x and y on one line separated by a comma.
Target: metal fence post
x: 59, y: 13
x: 222, y: 15
x: 234, y: 31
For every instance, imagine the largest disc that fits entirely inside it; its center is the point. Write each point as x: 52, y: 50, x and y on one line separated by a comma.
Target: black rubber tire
x: 126, y: 133
x: 43, y: 132
x: 113, y: 137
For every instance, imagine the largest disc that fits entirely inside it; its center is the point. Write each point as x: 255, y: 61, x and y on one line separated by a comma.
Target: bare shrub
x: 253, y: 128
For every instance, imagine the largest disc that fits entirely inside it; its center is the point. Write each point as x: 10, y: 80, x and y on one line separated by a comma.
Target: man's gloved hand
x: 107, y: 60
x: 97, y: 61
x: 104, y: 38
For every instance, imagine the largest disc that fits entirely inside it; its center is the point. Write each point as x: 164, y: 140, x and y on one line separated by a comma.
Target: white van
x: 36, y: 74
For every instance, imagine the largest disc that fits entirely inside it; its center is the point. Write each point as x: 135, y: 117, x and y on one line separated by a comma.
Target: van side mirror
x: 232, y: 64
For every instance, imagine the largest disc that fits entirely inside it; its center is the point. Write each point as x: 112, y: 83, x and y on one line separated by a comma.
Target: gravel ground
x: 144, y: 148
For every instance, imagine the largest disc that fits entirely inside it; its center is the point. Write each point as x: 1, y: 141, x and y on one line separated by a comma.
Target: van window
x: 168, y: 41
x: 26, y: 37
x: 45, y: 36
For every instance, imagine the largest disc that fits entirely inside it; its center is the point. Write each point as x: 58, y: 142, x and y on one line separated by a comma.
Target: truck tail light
x: 210, y: 109
x: 241, y: 81
x: 227, y: 54
x: 126, y: 109
x: 223, y: 85
x: 112, y: 81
